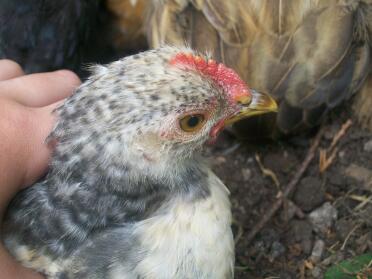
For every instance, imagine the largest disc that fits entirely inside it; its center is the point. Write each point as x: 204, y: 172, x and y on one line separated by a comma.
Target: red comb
x: 225, y: 77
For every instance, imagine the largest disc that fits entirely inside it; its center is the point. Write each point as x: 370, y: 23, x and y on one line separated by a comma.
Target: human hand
x: 26, y: 119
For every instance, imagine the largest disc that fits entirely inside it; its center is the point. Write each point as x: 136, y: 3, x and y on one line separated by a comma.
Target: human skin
x: 26, y: 119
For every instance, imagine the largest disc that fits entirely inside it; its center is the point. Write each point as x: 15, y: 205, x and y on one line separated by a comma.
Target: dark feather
x: 44, y: 35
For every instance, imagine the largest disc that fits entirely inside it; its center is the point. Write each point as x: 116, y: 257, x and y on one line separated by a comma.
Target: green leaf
x: 349, y: 268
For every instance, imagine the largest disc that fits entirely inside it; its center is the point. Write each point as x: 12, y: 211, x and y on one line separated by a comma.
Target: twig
x: 287, y: 203
x: 268, y: 172
x: 340, y: 133
x: 348, y: 237
x: 370, y: 264
x: 324, y: 160
x: 240, y: 232
x: 308, y: 264
x: 332, y: 248
x: 364, y: 201
x: 291, y: 186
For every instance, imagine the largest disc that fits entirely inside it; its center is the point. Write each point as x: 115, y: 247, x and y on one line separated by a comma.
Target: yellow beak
x: 259, y: 103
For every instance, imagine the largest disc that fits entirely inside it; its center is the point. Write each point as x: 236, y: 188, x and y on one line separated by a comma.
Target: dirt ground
x: 326, y: 219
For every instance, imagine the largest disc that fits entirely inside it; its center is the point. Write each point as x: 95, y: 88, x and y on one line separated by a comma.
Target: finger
x: 38, y: 90
x: 26, y: 153
x: 14, y: 133
x: 10, y: 69
x: 39, y: 149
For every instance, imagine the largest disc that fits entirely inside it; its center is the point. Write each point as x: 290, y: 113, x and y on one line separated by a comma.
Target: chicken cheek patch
x: 216, y: 129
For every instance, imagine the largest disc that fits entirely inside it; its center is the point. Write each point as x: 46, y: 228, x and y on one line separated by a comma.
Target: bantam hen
x: 309, y: 55
x: 127, y: 195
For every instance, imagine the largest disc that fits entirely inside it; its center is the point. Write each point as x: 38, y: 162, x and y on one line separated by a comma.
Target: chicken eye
x: 192, y: 123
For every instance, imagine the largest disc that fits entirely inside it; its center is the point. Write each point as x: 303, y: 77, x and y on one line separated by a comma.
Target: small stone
x: 368, y: 146
x: 301, y: 233
x: 259, y: 247
x: 277, y: 249
x: 262, y: 247
x: 289, y: 211
x: 306, y: 246
x: 247, y: 174
x: 327, y: 261
x: 341, y: 154
x: 323, y: 217
x: 317, y: 273
x: 309, y: 194
x: 337, y: 179
x: 360, y: 174
x: 318, y: 250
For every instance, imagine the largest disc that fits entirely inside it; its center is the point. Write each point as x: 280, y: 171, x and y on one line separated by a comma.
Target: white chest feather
x: 190, y: 240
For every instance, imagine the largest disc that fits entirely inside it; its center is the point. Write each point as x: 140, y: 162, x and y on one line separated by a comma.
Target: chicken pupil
x: 193, y: 121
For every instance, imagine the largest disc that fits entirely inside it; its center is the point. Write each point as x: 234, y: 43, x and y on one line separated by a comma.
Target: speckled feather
x: 127, y: 195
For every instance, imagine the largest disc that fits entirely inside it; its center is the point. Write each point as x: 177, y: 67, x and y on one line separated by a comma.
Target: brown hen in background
x: 128, y: 23
x: 309, y: 55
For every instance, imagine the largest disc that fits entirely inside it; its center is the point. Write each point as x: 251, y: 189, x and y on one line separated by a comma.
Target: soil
x: 291, y: 245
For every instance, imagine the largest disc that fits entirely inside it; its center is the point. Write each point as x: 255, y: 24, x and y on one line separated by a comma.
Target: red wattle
x: 216, y: 129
